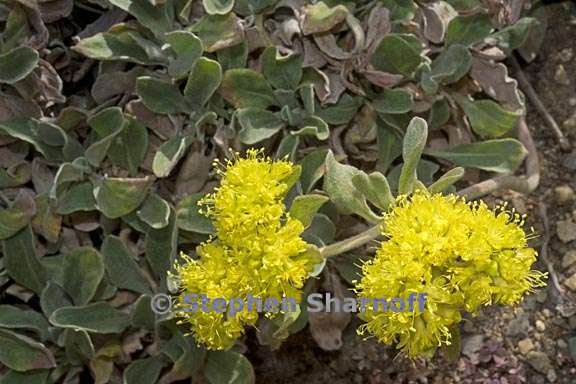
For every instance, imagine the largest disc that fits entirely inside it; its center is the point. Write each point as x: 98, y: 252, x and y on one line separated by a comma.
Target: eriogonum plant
x: 112, y: 112
x: 463, y: 255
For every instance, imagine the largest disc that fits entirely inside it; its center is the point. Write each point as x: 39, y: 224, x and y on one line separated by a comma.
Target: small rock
x: 520, y: 205
x: 561, y: 76
x: 518, y: 326
x: 570, y: 123
x: 566, y: 230
x: 546, y: 312
x: 472, y: 344
x: 571, y: 282
x: 572, y: 347
x: 563, y: 193
x: 551, y: 376
x: 572, y: 101
x: 569, y: 258
x: 539, y: 361
x: 561, y: 344
x: 525, y: 346
x: 570, y: 161
x: 540, y: 325
x: 541, y: 296
x: 566, y: 54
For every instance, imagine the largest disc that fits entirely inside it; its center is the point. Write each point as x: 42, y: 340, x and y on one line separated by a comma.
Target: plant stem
x: 352, y: 242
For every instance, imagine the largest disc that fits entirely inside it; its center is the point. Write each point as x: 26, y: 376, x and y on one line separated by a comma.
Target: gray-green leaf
x: 413, y: 145
x: 467, y: 30
x: 155, y: 212
x: 257, y: 124
x: 203, y: 81
x: 487, y: 118
x: 21, y: 262
x: 283, y: 72
x: 398, y: 53
x: 500, y: 155
x: 116, y: 197
x: 338, y: 183
x: 247, y: 88
x: 21, y: 353
x: 227, y: 367
x: 17, y: 64
x: 97, y: 318
x: 189, y: 218
x: 83, y: 270
x: 121, y: 267
x: 188, y: 49
x: 304, y: 207
x: 161, y: 96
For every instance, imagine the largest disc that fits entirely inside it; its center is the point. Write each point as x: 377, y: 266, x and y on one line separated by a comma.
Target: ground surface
x: 534, y: 342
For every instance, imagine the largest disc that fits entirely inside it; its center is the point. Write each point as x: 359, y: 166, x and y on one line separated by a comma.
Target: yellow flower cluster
x: 462, y: 254
x: 257, y: 250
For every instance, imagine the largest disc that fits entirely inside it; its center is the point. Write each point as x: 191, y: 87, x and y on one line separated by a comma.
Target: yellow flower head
x: 462, y: 254
x: 257, y: 249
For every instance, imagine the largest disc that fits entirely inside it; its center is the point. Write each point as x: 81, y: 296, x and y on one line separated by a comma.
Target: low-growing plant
x: 112, y: 113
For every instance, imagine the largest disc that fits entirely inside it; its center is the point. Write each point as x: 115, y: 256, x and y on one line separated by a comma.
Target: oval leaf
x: 96, y: 318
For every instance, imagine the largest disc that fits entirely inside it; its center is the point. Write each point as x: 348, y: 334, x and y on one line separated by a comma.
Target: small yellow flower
x: 463, y: 255
x: 257, y: 249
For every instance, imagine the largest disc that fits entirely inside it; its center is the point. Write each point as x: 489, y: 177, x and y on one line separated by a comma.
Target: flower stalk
x: 352, y: 242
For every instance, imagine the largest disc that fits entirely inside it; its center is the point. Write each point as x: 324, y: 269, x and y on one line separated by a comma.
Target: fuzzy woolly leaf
x: 247, y: 88
x: 304, y: 207
x: 514, y: 36
x: 116, y: 197
x: 338, y: 183
x: 169, y: 154
x: 79, y: 197
x: 283, y: 72
x: 393, y: 101
x: 161, y: 246
x: 203, y: 81
x: 144, y: 371
x: 500, y: 155
x: 122, y: 45
x: 16, y: 318
x: 413, y: 145
x: 219, y: 31
x: 487, y: 118
x: 21, y: 262
x: 227, y: 367
x: 188, y: 49
x: 123, y: 271
x: 157, y: 18
x: 96, y: 318
x: 189, y: 218
x: 12, y: 220
x: 450, y: 66
x: 28, y: 377
x: 257, y: 124
x: 21, y: 353
x: 83, y: 270
x: 218, y: 7
x: 17, y: 64
x: 320, y: 17
x: 155, y: 212
x: 467, y: 30
x: 313, y: 126
x: 161, y: 96
x: 398, y: 53
x: 447, y: 180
